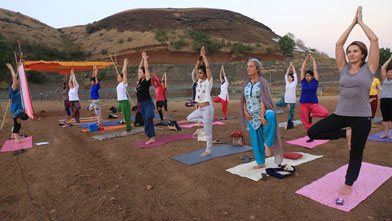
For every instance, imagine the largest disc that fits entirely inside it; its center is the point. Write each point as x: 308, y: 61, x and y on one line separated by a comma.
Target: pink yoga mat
x: 326, y: 189
x: 10, y: 145
x: 28, y: 107
x: 159, y: 141
x: 302, y: 142
x: 195, y: 125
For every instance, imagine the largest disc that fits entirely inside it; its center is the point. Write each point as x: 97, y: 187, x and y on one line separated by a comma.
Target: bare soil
x: 78, y: 178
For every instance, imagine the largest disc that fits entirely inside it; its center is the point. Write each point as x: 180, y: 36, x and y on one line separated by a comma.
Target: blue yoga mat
x: 218, y: 151
x: 111, y: 123
x: 376, y: 137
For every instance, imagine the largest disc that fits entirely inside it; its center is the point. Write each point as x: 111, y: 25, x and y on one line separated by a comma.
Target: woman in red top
x: 160, y: 86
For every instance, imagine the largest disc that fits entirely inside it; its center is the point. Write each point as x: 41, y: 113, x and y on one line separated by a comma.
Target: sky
x: 317, y: 23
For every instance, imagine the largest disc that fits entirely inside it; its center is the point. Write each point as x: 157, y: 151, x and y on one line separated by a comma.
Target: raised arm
x: 95, y: 74
x: 164, y: 78
x: 72, y: 79
x: 302, y: 74
x: 14, y: 77
x: 145, y: 64
x: 124, y: 71
x: 193, y: 74
x: 384, y: 68
x: 220, y: 74
x: 205, y: 60
x: 374, y: 52
x: 294, y: 73
x: 287, y: 73
x: 315, y: 69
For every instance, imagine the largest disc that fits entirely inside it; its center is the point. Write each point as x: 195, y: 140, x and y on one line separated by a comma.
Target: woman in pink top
x: 160, y: 86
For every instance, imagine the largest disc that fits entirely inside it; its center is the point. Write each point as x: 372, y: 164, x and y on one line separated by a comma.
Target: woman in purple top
x: 353, y: 109
x: 309, y: 106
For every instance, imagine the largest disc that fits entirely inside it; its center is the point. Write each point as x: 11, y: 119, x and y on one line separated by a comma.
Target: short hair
x: 257, y: 63
x: 362, y: 47
x: 291, y: 75
x: 93, y: 79
x: 203, y: 68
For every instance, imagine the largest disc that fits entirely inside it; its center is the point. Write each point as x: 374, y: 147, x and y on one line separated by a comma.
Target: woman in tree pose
x: 386, y: 97
x: 16, y: 108
x: 353, y: 108
x: 223, y: 97
x: 144, y: 97
x: 290, y: 94
x: 160, y: 87
x: 205, y: 110
x: 95, y: 102
x: 73, y: 95
x: 257, y: 112
x: 122, y: 95
x: 309, y: 106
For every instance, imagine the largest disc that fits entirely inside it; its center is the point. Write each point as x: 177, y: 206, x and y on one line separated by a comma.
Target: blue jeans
x: 148, y: 116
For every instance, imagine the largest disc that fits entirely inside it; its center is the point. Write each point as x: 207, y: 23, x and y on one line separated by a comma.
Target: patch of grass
x: 161, y: 35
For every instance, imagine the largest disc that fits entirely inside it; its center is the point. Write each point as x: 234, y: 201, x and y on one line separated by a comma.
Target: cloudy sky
x: 318, y: 23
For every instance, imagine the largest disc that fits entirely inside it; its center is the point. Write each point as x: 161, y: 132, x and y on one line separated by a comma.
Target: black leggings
x: 331, y: 128
x: 386, y: 109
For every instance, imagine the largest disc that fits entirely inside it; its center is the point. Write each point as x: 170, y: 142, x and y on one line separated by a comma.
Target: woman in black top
x: 144, y: 97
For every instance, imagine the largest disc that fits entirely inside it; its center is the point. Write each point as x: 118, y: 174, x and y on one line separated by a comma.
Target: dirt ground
x: 78, y: 178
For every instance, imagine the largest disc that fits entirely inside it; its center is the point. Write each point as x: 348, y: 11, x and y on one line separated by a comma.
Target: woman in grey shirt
x: 353, y: 109
x: 386, y: 97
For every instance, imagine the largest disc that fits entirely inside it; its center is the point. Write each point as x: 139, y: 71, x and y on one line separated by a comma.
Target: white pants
x: 206, y: 115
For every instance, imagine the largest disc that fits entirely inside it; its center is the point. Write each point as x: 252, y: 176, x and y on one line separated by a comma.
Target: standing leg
x: 291, y: 113
x: 304, y: 115
x: 224, y: 108
x: 126, y: 109
x: 269, y: 131
x: 360, y: 127
x: 256, y: 139
x: 207, y: 114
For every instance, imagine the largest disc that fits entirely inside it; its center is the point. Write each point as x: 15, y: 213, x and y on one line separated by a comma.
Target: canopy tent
x: 64, y: 67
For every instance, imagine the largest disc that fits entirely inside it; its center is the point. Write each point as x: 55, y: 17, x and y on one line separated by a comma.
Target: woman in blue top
x: 95, y: 102
x: 17, y: 109
x: 353, y: 109
x: 309, y: 106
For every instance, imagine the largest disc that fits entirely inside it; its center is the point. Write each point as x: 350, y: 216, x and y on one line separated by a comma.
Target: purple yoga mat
x: 159, y: 141
x: 376, y: 137
x: 10, y: 145
x: 194, y: 125
x: 326, y: 189
x: 302, y: 142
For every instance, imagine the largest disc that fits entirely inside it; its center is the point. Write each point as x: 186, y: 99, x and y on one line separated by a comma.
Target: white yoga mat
x: 246, y: 170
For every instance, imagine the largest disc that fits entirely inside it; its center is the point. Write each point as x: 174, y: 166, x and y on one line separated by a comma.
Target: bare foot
x: 384, y: 136
x: 205, y: 154
x: 346, y: 190
x: 150, y: 141
x: 18, y: 138
x: 348, y: 138
x: 259, y: 166
x: 267, y: 150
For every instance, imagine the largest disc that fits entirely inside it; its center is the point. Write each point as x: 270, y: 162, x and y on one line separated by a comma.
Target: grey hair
x: 257, y: 63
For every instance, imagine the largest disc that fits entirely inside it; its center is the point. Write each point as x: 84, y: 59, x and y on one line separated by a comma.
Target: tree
x: 287, y: 44
x: 385, y: 54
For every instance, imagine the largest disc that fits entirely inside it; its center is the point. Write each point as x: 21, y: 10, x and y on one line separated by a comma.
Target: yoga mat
x: 302, y: 142
x: 201, y: 125
x: 114, y: 127
x: 162, y: 140
x: 295, y: 122
x: 10, y: 145
x: 376, y: 137
x: 81, y: 118
x: 110, y: 123
x: 218, y: 151
x: 246, y: 169
x: 326, y: 189
x: 107, y: 136
x: 27, y: 105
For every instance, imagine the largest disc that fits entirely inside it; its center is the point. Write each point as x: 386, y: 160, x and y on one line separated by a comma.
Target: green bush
x: 239, y: 48
x: 178, y: 44
x: 200, y: 38
x: 161, y: 35
x: 287, y: 45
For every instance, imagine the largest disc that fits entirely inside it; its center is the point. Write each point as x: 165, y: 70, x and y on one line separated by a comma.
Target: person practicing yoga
x: 373, y: 95
x: 386, y: 97
x: 353, y: 108
x: 122, y: 95
x: 223, y: 97
x: 73, y: 95
x: 309, y: 105
x: 160, y: 87
x: 205, y: 110
x: 67, y: 103
x: 257, y: 113
x: 16, y: 107
x: 144, y: 97
x: 95, y: 102
x: 290, y: 94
